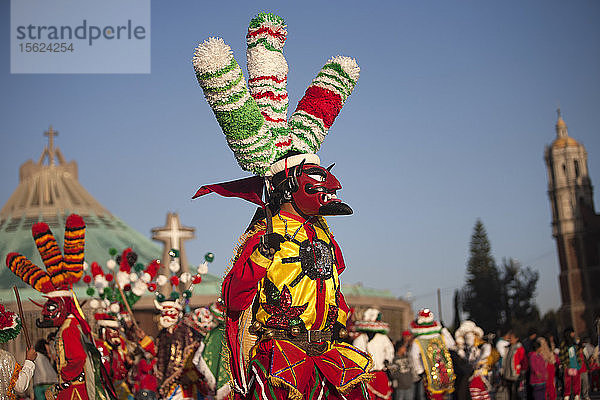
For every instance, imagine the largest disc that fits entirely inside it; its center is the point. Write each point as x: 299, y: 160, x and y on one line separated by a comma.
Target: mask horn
x: 331, y: 166
x: 158, y: 306
x: 298, y: 170
x: 37, y: 304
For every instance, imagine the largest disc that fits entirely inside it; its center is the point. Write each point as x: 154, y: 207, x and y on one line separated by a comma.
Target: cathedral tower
x: 576, y: 229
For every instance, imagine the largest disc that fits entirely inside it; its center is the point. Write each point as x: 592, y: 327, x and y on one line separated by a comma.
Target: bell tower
x: 576, y: 229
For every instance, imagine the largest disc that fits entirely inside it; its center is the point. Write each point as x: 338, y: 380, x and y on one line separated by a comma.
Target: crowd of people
x: 536, y: 367
x: 427, y: 362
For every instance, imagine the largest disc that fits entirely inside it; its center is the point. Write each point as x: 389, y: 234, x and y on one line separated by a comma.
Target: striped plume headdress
x: 253, y: 116
x: 62, y: 270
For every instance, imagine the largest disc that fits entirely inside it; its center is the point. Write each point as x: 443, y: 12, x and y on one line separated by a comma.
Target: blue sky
x: 448, y: 123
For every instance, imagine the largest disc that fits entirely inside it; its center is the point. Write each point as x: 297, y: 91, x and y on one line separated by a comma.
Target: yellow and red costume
x: 298, y: 291
x: 114, y: 359
x: 73, y: 364
x: 284, y: 280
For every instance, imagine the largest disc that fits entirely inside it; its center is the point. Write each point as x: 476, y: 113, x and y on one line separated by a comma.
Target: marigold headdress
x: 253, y: 117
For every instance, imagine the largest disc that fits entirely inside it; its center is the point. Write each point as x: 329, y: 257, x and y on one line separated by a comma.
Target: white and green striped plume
x: 253, y: 117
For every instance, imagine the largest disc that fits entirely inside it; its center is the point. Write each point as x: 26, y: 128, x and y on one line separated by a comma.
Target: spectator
x: 570, y: 364
x: 584, y: 351
x: 402, y: 372
x: 551, y: 360
x: 502, y: 346
x: 528, y: 346
x: 44, y: 375
x: 512, y: 366
x: 558, y: 375
x: 537, y: 372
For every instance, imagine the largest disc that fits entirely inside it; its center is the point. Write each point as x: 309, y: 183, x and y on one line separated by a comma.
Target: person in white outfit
x: 374, y: 340
x: 14, y: 378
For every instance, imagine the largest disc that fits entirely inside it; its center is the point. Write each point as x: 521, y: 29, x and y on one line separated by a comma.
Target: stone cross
x: 51, y: 133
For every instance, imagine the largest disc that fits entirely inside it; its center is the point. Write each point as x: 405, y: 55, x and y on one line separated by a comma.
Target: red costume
x: 79, y: 369
x: 284, y: 281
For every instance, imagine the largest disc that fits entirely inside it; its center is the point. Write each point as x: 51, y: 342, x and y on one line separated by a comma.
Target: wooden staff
x: 127, y: 306
x: 23, y: 324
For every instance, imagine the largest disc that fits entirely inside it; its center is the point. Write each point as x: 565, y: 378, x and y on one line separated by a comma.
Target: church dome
x: 49, y: 192
x: 563, y: 142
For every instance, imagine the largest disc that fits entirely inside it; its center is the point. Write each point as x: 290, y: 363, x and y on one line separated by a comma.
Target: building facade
x: 576, y: 229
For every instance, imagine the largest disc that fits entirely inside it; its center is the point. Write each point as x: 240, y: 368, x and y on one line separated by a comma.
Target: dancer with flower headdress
x: 286, y: 315
x: 431, y: 356
x: 175, y: 375
x: 374, y: 340
x: 117, y: 291
x: 13, y: 376
x: 472, y: 348
x: 80, y: 371
x: 209, y: 356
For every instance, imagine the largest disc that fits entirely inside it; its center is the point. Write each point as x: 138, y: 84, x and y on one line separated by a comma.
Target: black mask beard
x: 44, y: 323
x: 335, y: 208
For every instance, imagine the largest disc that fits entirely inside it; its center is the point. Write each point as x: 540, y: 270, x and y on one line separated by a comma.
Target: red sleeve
x: 340, y: 265
x: 520, y: 360
x: 74, y: 353
x: 240, y: 284
x: 147, y: 344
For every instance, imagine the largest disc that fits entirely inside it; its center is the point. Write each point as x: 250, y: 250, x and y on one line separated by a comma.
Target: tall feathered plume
x: 62, y: 270
x: 254, y: 119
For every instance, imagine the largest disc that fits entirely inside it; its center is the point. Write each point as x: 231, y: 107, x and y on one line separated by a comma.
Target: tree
x: 519, y: 310
x: 482, y: 292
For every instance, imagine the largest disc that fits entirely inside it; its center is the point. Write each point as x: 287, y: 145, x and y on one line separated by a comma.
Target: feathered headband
x: 253, y: 117
x: 62, y: 270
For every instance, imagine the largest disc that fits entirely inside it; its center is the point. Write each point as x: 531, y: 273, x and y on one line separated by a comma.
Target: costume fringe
x: 237, y: 250
x: 364, y: 378
x: 293, y: 393
x: 13, y: 381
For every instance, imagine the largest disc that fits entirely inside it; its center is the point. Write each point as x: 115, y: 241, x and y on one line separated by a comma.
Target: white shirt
x: 24, y: 376
x: 380, y: 348
x: 44, y: 372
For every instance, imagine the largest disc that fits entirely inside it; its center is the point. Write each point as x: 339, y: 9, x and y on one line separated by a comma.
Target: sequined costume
x: 13, y: 377
x: 298, y: 292
x: 176, y: 375
x: 431, y: 357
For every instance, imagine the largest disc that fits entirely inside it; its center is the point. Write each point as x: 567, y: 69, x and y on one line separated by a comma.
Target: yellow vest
x: 301, y: 285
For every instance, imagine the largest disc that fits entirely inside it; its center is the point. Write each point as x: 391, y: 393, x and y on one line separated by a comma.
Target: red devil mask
x: 54, y: 312
x: 314, y: 191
